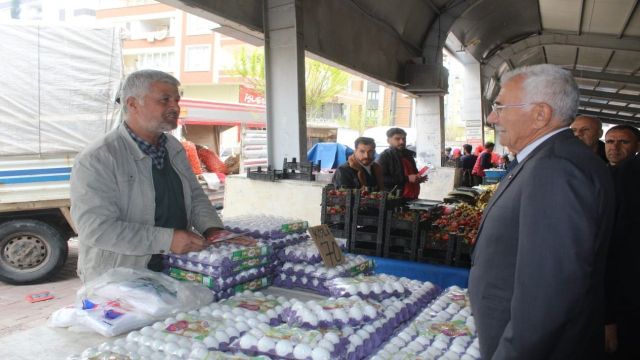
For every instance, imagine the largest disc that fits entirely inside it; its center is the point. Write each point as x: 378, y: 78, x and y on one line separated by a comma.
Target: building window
x: 163, y: 61
x: 197, y: 58
x: 372, y: 95
x: 199, y: 26
x: 372, y: 114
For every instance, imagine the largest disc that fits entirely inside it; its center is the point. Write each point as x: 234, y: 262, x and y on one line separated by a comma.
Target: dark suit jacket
x: 392, y: 170
x: 536, y: 282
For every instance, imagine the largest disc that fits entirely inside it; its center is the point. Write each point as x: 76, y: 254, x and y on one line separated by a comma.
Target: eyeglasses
x: 496, y: 107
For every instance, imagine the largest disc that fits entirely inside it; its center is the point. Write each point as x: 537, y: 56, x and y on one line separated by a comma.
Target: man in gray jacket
x: 133, y: 193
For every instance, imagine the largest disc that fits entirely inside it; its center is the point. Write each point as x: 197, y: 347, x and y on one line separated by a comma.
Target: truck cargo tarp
x: 57, y: 87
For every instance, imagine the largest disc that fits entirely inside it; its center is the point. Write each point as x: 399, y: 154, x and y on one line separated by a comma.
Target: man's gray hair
x: 137, y: 84
x: 550, y: 84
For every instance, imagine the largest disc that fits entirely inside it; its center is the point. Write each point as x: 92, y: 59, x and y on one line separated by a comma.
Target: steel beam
x: 602, y: 116
x: 620, y: 78
x: 635, y: 99
x: 609, y: 107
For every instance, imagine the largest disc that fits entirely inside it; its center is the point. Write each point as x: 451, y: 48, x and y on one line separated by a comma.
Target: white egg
x: 457, y: 348
x: 167, y: 321
x: 147, y: 330
x: 320, y: 353
x: 473, y: 352
x: 387, y: 287
x: 326, y: 344
x: 351, y: 289
x: 199, y: 353
x: 302, y: 351
x: 370, y: 311
x: 184, y: 342
x: 364, y: 288
x: 256, y: 332
x: 263, y: 318
x: 340, y: 314
x: 284, y: 347
x: 171, y: 348
x: 232, y: 331
x: 248, y: 341
x: 133, y: 336
x: 222, y: 336
x: 242, y: 327
x: 404, y: 336
x: 266, y: 344
x: 211, y: 342
x: 158, y: 326
x: 146, y: 340
x: 376, y: 288
x: 332, y: 337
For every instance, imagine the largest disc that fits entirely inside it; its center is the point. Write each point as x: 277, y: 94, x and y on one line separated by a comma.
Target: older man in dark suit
x: 536, y: 282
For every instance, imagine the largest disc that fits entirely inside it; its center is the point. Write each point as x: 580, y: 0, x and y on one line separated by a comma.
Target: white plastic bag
x: 125, y: 299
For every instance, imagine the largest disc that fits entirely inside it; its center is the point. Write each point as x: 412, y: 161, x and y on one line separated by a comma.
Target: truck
x: 57, y: 91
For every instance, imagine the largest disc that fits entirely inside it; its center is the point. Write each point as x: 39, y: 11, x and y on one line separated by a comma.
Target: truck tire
x: 30, y: 251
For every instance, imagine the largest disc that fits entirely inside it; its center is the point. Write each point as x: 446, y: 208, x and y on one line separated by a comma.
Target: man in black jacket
x: 360, y: 171
x: 399, y: 169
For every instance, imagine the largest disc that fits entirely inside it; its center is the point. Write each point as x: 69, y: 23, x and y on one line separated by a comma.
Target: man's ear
x: 131, y: 103
x: 542, y: 114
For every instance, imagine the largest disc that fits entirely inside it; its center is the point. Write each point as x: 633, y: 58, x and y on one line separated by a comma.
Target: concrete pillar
x: 472, y: 105
x: 429, y: 120
x: 285, y: 86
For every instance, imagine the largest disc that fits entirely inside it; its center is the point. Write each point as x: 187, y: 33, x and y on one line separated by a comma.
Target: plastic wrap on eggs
x: 306, y: 252
x: 332, y: 312
x: 377, y: 287
x: 257, y: 306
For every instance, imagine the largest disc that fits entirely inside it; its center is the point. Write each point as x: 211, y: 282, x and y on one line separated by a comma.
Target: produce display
x: 461, y: 217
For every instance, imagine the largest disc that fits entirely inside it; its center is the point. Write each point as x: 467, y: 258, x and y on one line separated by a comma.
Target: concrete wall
x: 290, y: 198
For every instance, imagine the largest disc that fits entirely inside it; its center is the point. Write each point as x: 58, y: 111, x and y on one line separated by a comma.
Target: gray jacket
x: 113, y: 204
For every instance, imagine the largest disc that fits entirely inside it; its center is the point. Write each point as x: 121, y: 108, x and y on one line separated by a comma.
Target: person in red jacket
x: 483, y: 162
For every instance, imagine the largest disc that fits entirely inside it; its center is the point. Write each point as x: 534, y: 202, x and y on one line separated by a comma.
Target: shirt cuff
x: 163, y: 242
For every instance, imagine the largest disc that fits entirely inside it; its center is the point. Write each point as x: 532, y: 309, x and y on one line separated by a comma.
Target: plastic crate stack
x: 225, y: 268
x: 402, y: 232
x: 336, y: 210
x: 368, y: 221
x: 302, y: 267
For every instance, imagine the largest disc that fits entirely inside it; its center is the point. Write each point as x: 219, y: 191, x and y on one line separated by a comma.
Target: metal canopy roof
x: 598, y: 40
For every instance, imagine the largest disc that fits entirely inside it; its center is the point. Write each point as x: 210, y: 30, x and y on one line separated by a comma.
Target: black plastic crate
x: 264, y: 175
x: 462, y: 252
x: 339, y: 223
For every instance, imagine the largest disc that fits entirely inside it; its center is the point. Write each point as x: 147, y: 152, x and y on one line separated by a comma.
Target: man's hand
x: 414, y: 178
x: 186, y: 241
x: 610, y: 338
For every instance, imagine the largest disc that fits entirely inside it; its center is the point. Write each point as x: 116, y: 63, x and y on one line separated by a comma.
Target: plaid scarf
x: 156, y: 152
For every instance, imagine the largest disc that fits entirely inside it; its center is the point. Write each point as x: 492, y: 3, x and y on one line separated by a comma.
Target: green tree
x: 323, y: 82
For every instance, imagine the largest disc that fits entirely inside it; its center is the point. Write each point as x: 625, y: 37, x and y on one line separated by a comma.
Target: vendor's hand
x: 186, y: 241
x: 243, y: 240
x: 611, y: 338
x: 423, y: 179
x: 210, y: 233
x: 414, y: 178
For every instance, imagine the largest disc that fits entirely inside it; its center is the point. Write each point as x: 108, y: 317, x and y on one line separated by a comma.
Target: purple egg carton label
x: 217, y: 283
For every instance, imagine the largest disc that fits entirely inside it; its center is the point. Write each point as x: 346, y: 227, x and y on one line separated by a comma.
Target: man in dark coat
x: 589, y: 130
x: 399, y: 169
x: 360, y: 171
x: 537, y: 278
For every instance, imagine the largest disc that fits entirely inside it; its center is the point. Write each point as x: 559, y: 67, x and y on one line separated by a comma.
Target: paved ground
x: 17, y: 314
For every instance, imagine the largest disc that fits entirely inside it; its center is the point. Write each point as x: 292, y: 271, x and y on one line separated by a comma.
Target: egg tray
x: 306, y: 252
x: 275, y: 232
x: 289, y: 240
x: 436, y: 333
x: 280, y: 342
x: 253, y: 285
x: 302, y: 282
x: 375, y: 287
x: 354, y: 265
x: 218, y: 283
x: 330, y: 313
x: 228, y: 270
x: 226, y: 254
x: 249, y: 305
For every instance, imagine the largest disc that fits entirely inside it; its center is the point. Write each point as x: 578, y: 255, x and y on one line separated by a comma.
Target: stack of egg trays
x: 313, y: 276
x: 266, y: 226
x: 222, y: 261
x: 252, y: 285
x: 445, y: 329
x: 219, y: 284
x: 305, y: 252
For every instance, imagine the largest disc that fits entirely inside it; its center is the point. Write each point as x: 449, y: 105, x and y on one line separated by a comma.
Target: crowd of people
x: 554, y: 266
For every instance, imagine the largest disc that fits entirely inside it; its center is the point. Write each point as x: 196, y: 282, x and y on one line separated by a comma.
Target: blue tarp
x: 444, y: 276
x: 331, y: 155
